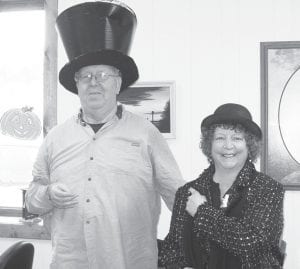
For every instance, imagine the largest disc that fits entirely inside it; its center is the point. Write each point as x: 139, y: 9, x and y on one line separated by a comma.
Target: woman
x: 231, y: 217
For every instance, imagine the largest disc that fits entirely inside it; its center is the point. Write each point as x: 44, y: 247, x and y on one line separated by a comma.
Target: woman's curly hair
x: 252, y: 141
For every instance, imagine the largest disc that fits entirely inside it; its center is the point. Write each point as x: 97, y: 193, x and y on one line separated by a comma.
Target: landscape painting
x: 155, y: 102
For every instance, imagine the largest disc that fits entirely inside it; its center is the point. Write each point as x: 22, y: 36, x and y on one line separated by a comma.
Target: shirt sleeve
x: 165, y: 169
x: 256, y: 232
x: 37, y: 199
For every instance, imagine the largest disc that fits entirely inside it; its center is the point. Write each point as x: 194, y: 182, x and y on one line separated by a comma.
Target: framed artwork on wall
x: 155, y: 101
x: 280, y: 106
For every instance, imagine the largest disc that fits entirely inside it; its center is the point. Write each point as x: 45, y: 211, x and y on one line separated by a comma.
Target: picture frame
x: 280, y: 96
x: 154, y: 101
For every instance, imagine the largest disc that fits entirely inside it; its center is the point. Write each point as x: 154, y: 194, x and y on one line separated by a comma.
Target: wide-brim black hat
x: 96, y: 33
x: 232, y: 114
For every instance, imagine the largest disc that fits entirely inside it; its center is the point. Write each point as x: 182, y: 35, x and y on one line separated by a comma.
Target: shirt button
x: 87, y: 200
x: 91, y: 158
x: 87, y: 222
x: 94, y: 138
x: 89, y: 179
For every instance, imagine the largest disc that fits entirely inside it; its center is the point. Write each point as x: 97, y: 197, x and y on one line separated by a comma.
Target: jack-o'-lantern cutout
x: 21, y: 123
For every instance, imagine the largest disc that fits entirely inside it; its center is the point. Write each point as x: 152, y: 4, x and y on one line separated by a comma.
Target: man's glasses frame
x: 99, y: 77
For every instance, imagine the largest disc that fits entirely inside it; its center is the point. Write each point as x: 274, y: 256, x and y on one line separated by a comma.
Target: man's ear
x: 118, y: 85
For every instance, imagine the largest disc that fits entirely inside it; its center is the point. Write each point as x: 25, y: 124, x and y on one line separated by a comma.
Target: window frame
x: 30, y: 229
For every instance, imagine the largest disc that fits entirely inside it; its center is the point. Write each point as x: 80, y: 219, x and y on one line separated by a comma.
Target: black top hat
x: 96, y: 33
x: 232, y: 114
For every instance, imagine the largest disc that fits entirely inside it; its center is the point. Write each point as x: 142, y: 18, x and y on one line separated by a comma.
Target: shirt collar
x: 245, y: 175
x: 80, y: 120
x: 242, y: 180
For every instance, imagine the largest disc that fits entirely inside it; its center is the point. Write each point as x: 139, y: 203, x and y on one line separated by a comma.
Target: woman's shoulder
x: 263, y: 180
x: 186, y: 186
x: 197, y: 184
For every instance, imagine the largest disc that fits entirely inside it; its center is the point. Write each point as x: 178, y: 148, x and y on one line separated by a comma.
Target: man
x: 101, y: 173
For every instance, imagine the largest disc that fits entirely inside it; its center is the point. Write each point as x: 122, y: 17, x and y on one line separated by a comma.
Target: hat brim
x: 122, y: 62
x: 249, y: 125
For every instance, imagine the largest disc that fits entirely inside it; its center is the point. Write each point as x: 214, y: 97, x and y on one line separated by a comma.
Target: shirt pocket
x: 127, y: 156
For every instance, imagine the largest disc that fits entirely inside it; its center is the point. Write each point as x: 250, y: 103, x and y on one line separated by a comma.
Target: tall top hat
x: 232, y: 114
x: 95, y: 33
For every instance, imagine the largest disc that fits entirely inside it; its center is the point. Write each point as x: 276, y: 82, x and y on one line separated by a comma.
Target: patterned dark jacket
x: 252, y: 236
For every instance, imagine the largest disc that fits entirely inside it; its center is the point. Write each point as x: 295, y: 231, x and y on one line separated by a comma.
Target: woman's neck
x: 225, y: 178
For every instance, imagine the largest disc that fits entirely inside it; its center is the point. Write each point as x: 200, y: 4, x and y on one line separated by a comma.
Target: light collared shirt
x: 119, y: 173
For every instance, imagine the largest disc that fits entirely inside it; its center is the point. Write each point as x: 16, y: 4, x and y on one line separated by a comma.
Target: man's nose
x: 93, y: 81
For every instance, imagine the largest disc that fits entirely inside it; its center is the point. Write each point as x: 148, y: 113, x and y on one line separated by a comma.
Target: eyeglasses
x: 99, y: 77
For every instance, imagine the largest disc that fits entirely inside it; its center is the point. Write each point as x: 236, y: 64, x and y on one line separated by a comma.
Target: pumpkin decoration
x: 21, y: 123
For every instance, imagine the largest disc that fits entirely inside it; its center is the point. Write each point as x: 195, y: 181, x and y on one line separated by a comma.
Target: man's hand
x: 60, y: 196
x: 194, y: 201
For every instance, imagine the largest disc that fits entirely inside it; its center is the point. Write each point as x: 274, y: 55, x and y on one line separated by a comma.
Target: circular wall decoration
x: 21, y: 123
x: 288, y: 116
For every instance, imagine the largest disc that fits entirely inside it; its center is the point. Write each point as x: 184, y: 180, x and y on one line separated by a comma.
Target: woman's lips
x: 227, y: 155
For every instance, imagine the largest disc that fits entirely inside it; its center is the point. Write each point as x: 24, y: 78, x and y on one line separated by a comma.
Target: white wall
x: 211, y: 49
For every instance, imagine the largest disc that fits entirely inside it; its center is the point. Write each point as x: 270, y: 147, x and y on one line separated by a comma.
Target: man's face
x: 98, y: 86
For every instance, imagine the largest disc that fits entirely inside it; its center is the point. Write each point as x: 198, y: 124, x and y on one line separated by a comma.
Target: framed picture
x: 155, y: 101
x: 280, y: 103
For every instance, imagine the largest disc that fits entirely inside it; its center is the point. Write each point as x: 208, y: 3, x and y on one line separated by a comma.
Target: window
x: 27, y: 104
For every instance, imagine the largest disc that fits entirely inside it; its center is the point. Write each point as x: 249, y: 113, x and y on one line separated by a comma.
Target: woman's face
x: 229, y: 149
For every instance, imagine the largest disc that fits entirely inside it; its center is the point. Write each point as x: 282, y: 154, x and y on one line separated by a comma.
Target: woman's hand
x: 194, y: 201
